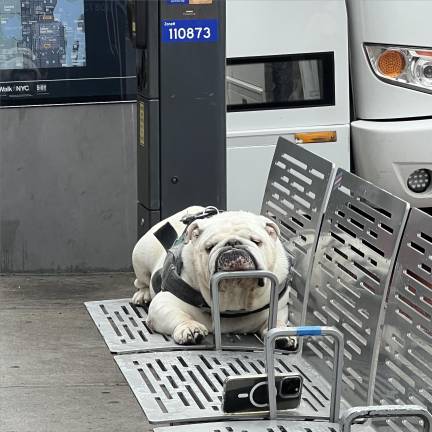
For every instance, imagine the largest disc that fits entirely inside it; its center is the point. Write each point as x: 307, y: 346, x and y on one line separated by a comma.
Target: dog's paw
x: 141, y: 297
x: 189, y: 333
x: 288, y: 343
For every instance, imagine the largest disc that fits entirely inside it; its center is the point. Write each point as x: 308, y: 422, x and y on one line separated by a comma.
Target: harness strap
x: 166, y: 235
x: 180, y: 289
x: 168, y: 280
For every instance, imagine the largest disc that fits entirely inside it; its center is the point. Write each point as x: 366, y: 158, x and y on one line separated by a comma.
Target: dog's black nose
x: 232, y: 243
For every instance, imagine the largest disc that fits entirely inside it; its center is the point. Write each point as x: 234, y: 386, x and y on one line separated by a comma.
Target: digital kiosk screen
x: 65, y: 51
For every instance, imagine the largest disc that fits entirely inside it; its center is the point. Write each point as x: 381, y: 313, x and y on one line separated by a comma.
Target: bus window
x: 275, y: 82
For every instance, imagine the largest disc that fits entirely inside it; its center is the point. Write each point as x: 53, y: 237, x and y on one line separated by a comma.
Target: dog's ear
x: 271, y: 228
x: 193, y: 231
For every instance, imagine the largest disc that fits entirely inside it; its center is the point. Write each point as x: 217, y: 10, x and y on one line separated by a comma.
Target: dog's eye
x: 209, y: 248
x: 256, y: 241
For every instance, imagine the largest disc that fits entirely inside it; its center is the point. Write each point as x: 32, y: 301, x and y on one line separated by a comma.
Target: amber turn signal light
x: 315, y: 137
x: 391, y: 63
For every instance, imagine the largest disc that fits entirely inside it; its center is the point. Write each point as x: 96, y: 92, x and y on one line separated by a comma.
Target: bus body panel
x: 388, y: 152
x: 392, y: 22
x: 257, y: 29
x: 249, y: 156
x: 275, y: 27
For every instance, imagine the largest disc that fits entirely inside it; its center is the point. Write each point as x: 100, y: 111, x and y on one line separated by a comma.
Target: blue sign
x: 200, y: 30
x: 178, y: 1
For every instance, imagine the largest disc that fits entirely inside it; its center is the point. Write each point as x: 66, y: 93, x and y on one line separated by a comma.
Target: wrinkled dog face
x: 235, y: 241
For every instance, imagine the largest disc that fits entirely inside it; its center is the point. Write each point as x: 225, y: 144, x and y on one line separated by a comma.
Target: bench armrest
x: 385, y: 411
x: 255, y: 274
x: 276, y: 333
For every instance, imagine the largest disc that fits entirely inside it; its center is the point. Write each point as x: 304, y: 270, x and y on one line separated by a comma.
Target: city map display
x: 42, y: 34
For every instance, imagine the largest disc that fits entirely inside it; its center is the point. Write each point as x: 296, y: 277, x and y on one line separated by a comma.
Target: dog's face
x: 234, y: 241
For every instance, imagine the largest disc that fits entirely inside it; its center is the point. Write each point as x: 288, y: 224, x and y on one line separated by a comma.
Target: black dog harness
x: 168, y: 277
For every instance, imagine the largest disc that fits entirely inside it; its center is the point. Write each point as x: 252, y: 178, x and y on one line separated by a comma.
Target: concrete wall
x: 67, y: 188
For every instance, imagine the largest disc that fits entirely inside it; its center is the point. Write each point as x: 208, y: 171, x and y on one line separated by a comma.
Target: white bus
x: 287, y: 74
x: 391, y: 64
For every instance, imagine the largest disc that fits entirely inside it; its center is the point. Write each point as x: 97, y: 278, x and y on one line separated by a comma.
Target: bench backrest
x: 404, y: 371
x: 357, y: 246
x: 295, y: 198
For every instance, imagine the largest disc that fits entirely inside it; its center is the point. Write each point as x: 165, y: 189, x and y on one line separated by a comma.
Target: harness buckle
x: 209, y: 211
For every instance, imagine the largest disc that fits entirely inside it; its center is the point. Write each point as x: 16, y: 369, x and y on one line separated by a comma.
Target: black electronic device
x: 249, y: 393
x: 65, y: 52
x: 181, y: 106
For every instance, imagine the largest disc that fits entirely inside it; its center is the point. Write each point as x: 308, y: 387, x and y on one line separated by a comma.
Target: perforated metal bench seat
x: 411, y: 418
x: 404, y: 369
x: 255, y: 426
x: 183, y: 386
x: 281, y: 425
x: 124, y: 330
x: 262, y: 426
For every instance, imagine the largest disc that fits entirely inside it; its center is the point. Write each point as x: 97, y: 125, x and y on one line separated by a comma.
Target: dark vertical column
x: 145, y: 26
x: 181, y: 106
x: 192, y: 102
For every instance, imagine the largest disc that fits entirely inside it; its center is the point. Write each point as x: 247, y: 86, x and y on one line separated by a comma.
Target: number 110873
x: 191, y: 33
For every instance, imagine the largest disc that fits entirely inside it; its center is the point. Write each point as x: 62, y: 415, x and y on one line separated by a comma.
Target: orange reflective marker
x: 391, y: 63
x: 315, y: 137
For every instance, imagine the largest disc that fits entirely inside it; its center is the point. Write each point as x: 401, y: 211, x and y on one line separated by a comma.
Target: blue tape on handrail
x: 309, y: 331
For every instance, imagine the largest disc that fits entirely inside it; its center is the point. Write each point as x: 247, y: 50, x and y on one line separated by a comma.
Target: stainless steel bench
x: 179, y: 386
x: 277, y: 423
x: 355, y: 256
x: 404, y: 368
x: 349, y: 282
x: 386, y: 414
x: 296, y: 196
x: 341, y: 278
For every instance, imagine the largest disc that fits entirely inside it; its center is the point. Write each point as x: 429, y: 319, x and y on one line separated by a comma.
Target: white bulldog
x: 229, y: 241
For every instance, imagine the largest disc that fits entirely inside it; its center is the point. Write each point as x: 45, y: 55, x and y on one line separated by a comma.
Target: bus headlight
x: 422, y: 72
x: 404, y: 66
